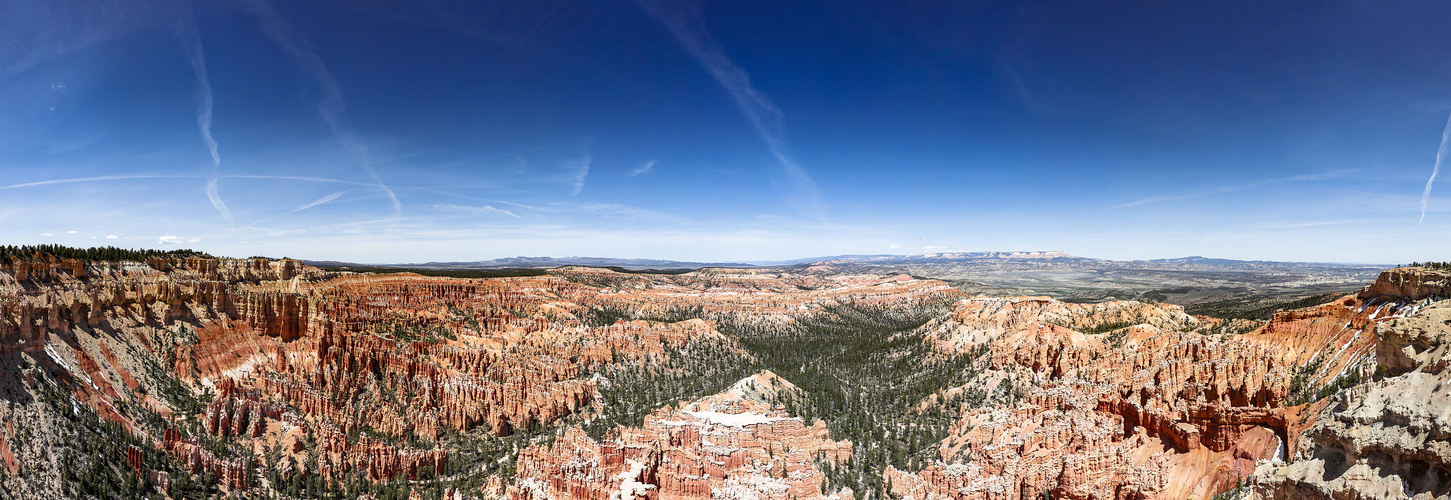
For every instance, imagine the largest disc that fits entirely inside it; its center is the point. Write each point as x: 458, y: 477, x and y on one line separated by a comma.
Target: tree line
x: 28, y: 253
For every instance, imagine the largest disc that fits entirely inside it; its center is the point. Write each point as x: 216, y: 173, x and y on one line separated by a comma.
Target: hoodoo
x: 214, y: 376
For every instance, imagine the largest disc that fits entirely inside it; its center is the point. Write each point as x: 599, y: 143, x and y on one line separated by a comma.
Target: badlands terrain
x: 179, y: 375
x: 1215, y: 287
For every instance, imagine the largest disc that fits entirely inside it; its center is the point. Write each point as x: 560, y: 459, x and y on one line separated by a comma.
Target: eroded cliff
x: 1390, y: 437
x: 196, y: 377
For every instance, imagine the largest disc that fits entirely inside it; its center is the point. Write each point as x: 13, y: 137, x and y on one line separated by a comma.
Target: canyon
x: 203, y: 377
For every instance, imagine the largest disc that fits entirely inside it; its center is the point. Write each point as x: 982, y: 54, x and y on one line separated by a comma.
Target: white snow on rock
x: 733, y: 419
x: 630, y: 485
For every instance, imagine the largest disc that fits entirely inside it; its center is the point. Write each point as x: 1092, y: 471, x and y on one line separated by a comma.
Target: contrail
x: 1440, y: 155
x: 296, y: 178
x: 318, y: 201
x: 191, y: 41
x: 684, y: 22
x: 578, y: 171
x: 332, y: 106
x: 96, y: 179
x: 642, y: 169
x: 1324, y: 176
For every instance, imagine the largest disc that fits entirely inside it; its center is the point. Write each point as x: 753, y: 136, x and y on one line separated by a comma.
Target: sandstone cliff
x: 256, y: 374
x: 1410, y: 283
x: 1391, y: 437
x: 265, y: 373
x: 1131, y: 400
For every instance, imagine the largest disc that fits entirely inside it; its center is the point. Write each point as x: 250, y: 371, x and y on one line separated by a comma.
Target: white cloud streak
x: 642, y: 169
x: 297, y: 178
x: 105, y: 178
x: 318, y: 201
x: 332, y: 106
x: 176, y: 240
x: 577, y: 170
x: 191, y: 41
x: 33, y: 32
x: 612, y: 210
x: 682, y: 18
x: 1334, y: 174
x: 1440, y: 155
x: 1298, y: 225
x: 96, y: 179
x: 472, y: 210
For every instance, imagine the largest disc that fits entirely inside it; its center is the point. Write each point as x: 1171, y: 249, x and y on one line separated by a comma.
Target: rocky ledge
x: 1390, y: 437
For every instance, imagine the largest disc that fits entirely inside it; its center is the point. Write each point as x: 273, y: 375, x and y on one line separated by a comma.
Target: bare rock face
x: 1390, y: 438
x: 1147, y: 404
x: 1410, y: 283
x: 735, y: 444
x: 260, y: 373
x: 1418, y: 341
x: 232, y: 473
x: 346, y: 378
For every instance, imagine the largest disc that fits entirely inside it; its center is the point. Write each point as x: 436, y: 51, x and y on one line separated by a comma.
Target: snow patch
x: 733, y: 419
x: 50, y: 350
x: 1280, y: 451
x: 630, y: 485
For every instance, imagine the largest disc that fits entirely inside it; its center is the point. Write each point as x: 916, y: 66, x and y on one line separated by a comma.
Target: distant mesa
x: 547, y: 263
x: 1053, y: 256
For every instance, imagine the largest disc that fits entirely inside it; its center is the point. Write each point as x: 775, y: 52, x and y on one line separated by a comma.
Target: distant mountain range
x: 997, y: 260
x: 1204, y: 284
x: 547, y: 262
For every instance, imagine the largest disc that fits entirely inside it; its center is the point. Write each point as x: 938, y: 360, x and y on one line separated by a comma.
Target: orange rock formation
x: 371, y: 370
x: 731, y: 445
x: 1156, y: 408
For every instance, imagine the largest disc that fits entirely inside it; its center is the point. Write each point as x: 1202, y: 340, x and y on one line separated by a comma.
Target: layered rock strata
x: 358, y: 377
x: 240, y: 368
x: 1391, y: 437
x: 736, y: 444
x: 1150, y: 403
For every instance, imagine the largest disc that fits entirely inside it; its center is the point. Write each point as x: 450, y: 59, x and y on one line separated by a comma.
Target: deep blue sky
x: 746, y: 130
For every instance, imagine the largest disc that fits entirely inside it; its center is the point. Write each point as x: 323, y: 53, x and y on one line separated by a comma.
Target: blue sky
x: 752, y: 130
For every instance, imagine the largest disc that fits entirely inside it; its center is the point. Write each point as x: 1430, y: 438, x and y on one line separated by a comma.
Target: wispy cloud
x: 612, y: 210
x: 297, y: 178
x: 1015, y: 80
x: 642, y: 169
x: 1440, y: 155
x: 177, y: 240
x: 112, y: 237
x: 317, y: 202
x: 472, y: 210
x: 1331, y: 175
x: 332, y: 106
x: 1298, y: 225
x: 96, y: 179
x: 576, y: 171
x: 47, y: 235
x: 33, y: 32
x: 191, y: 41
x: 682, y: 18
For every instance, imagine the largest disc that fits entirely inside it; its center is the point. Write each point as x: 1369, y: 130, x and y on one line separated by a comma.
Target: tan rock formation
x: 1149, y: 409
x: 1409, y: 283
x: 735, y: 444
x: 374, y: 369
x: 361, y: 377
x: 1390, y: 438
